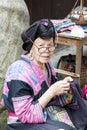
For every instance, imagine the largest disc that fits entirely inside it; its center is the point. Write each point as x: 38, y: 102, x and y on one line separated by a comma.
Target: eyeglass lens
x: 43, y: 49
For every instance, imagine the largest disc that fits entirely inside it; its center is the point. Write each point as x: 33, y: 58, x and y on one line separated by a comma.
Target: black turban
x: 42, y: 28
x: 29, y: 35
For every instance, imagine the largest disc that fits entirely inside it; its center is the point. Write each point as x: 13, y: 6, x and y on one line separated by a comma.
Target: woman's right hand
x: 60, y: 87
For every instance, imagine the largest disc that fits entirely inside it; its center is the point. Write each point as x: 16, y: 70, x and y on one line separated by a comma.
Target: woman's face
x: 42, y: 50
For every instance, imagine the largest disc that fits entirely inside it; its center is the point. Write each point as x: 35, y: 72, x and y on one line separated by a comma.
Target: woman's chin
x: 45, y: 60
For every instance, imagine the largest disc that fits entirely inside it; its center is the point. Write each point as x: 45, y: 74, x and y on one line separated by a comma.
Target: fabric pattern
x: 59, y: 114
x: 27, y: 83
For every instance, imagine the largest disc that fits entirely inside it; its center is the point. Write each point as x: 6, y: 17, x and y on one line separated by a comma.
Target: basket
x: 79, y: 14
x: 79, y: 21
x: 68, y: 63
x: 79, y: 18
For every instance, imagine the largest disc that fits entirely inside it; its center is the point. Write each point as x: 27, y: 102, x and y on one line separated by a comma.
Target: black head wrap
x: 28, y: 36
x: 31, y: 33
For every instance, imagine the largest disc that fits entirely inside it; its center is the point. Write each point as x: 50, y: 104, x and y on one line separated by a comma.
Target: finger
x: 66, y: 85
x: 68, y: 79
x: 65, y: 91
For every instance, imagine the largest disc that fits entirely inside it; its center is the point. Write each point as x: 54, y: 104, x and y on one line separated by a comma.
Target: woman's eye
x: 40, y: 46
x: 52, y: 44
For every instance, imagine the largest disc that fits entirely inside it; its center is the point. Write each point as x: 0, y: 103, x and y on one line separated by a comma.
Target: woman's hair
x: 43, y: 28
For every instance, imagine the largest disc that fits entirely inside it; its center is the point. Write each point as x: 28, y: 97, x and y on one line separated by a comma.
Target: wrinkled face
x: 42, y: 50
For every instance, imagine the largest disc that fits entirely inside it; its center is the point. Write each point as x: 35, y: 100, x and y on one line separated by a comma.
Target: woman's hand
x: 68, y: 79
x: 62, y: 86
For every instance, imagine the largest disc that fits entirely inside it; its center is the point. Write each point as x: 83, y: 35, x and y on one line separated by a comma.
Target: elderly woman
x: 33, y: 96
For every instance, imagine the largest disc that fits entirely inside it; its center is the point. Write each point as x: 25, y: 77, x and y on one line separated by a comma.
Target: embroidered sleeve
x: 26, y: 109
x: 21, y: 93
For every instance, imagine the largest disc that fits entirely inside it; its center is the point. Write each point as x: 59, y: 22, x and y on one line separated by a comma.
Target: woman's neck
x: 40, y: 65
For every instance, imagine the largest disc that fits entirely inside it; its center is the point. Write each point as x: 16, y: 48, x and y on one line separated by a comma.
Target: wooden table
x: 67, y: 39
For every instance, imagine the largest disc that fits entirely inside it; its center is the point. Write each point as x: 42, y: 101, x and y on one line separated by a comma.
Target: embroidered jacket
x: 24, y: 84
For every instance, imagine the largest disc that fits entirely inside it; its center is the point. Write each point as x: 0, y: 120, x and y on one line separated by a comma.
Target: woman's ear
x: 30, y: 55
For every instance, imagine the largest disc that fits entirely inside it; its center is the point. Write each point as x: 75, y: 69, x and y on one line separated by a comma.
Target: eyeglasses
x: 50, y: 48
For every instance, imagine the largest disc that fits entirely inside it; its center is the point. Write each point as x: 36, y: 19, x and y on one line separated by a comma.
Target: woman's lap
x: 49, y: 125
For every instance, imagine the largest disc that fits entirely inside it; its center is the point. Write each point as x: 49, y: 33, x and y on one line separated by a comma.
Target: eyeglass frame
x: 48, y: 47
x: 29, y: 39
